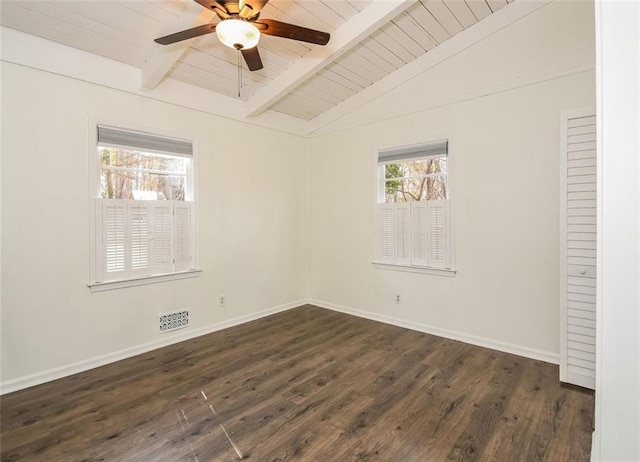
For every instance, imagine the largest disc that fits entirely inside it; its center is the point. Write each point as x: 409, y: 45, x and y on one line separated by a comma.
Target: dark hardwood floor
x: 310, y: 385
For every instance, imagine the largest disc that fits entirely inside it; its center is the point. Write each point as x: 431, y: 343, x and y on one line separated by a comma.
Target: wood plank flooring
x: 307, y: 385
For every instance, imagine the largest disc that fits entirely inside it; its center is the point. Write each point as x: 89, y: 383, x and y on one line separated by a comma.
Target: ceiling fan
x: 240, y: 28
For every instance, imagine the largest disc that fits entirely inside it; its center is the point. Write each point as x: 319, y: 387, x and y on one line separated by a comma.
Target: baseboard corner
x: 505, y: 347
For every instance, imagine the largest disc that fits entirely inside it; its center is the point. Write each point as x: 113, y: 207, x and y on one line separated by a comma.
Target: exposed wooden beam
x: 164, y: 57
x: 343, y: 39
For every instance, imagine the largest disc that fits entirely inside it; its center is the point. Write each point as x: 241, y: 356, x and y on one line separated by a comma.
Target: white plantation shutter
x: 139, y: 214
x: 403, y: 233
x: 419, y: 227
x: 161, y: 258
x: 437, y: 236
x: 114, y: 235
x: 414, y: 233
x: 183, y: 226
x: 386, y: 233
x: 144, y: 238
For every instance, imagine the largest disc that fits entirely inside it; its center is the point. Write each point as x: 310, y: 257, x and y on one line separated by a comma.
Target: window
x: 413, y: 222
x: 144, y: 222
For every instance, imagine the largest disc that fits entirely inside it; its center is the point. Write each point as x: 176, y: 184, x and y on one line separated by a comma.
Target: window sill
x: 416, y: 269
x: 124, y: 283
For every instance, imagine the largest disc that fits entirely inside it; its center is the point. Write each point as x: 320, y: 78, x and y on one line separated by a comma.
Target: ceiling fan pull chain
x: 239, y: 73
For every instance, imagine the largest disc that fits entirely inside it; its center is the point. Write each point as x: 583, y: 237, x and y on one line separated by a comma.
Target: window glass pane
x: 128, y: 158
x: 119, y: 184
x: 419, y: 180
x: 129, y: 174
x: 418, y: 167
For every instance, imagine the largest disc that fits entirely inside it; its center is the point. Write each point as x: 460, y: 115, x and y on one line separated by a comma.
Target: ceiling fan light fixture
x: 238, y: 34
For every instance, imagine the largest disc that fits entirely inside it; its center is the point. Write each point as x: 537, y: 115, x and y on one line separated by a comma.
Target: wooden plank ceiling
x: 124, y: 31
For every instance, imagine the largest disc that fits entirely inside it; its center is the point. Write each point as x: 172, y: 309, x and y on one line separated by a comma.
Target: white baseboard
x: 467, y: 338
x: 82, y: 366
x: 85, y: 365
x: 595, y: 446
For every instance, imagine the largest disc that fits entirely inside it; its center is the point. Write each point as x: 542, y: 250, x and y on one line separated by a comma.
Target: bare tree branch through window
x: 418, y: 180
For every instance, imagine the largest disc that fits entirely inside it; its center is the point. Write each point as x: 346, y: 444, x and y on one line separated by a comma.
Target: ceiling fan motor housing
x: 240, y: 29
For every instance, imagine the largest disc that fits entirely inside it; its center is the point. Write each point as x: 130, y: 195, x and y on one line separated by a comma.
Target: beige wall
x: 252, y: 224
x: 505, y: 162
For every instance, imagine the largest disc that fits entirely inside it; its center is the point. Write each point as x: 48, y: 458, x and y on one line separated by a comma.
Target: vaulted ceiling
x: 371, y: 40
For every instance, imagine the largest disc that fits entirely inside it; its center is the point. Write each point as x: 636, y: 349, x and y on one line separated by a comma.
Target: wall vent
x: 173, y: 321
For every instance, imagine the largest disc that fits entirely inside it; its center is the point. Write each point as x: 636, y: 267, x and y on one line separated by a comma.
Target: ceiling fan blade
x: 218, y: 8
x: 282, y: 29
x: 186, y: 34
x: 252, y: 58
x: 251, y: 8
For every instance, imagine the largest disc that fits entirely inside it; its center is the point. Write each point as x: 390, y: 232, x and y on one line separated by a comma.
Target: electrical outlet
x: 398, y: 299
x: 221, y: 301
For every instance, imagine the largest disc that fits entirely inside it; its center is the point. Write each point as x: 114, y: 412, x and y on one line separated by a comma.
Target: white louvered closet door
x: 578, y: 248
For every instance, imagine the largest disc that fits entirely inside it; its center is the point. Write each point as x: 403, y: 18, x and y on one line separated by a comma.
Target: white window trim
x: 448, y: 272
x: 379, y: 197
x: 123, y: 283
x: 94, y: 186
